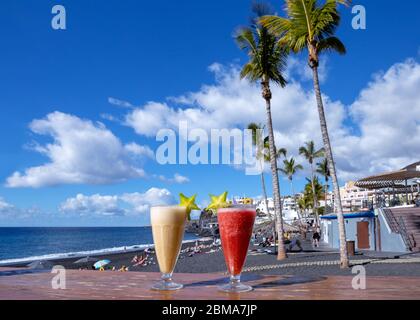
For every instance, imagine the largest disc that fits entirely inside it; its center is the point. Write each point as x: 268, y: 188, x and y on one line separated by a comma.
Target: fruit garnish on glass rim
x: 188, y: 203
x: 218, y: 202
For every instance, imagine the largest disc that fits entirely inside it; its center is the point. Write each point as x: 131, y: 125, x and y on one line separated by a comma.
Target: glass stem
x: 167, y: 277
x: 235, y: 280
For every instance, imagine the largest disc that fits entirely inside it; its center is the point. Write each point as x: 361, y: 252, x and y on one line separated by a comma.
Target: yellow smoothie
x: 168, y: 224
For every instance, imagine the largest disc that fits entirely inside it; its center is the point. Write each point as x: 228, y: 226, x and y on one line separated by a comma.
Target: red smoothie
x: 236, y: 225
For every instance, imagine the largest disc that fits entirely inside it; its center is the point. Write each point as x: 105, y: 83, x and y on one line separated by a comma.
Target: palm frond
x: 254, y: 129
x: 319, y: 154
x: 276, y: 25
x: 331, y: 44
x: 310, y: 153
x: 245, y: 39
x: 282, y: 152
x: 267, y: 56
x: 290, y: 167
x: 308, y: 23
x: 323, y: 169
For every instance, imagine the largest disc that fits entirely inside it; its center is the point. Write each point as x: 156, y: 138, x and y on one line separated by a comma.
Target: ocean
x: 29, y: 244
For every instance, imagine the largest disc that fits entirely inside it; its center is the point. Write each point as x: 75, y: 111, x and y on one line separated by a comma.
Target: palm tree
x: 279, y: 151
x: 308, y: 193
x: 267, y: 60
x: 304, y: 204
x: 255, y: 128
x: 311, y: 185
x: 263, y: 155
x: 267, y: 158
x: 311, y: 26
x: 290, y: 168
x: 310, y: 154
x: 324, y: 170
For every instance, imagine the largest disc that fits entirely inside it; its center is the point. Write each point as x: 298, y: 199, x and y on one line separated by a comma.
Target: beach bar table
x: 26, y: 284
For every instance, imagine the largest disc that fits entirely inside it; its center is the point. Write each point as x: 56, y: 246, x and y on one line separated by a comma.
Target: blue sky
x: 149, y: 51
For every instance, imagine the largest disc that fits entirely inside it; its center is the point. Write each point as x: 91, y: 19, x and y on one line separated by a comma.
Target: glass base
x: 235, y: 286
x: 166, y: 284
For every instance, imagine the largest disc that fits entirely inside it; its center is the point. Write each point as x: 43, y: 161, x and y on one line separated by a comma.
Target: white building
x: 352, y: 198
x: 288, y: 204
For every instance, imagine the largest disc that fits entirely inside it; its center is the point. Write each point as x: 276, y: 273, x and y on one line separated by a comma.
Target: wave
x: 80, y: 254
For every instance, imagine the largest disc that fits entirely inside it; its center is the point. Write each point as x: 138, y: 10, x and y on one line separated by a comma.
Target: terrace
x: 92, y: 285
x: 396, y: 188
x: 396, y: 202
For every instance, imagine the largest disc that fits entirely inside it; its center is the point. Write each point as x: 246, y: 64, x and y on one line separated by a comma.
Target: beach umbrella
x: 85, y: 260
x: 101, y: 264
x: 40, y: 265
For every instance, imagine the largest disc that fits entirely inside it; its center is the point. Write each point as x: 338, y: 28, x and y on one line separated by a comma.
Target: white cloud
x: 120, y: 103
x: 177, y: 178
x: 141, y: 202
x: 109, y: 117
x: 379, y: 131
x: 141, y: 151
x: 388, y: 114
x: 95, y: 204
x: 232, y: 103
x: 384, y: 120
x: 5, y: 208
x: 81, y: 152
x: 180, y: 179
x: 150, y: 119
x: 116, y: 205
x: 297, y: 68
x: 11, y: 212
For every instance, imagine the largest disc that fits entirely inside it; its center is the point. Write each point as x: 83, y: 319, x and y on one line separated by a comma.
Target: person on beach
x: 263, y: 242
x: 141, y: 261
x: 316, y: 237
x: 294, y: 241
x: 123, y: 269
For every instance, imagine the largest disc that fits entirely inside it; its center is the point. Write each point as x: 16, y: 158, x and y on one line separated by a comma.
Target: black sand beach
x: 309, y: 262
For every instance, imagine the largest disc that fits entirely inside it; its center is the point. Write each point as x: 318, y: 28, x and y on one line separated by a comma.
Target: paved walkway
x: 26, y: 284
x: 325, y: 261
x: 354, y: 262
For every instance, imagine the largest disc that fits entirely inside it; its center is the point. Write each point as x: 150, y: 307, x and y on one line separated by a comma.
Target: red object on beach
x: 236, y: 226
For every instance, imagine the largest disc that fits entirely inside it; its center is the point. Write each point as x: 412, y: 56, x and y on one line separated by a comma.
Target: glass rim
x: 174, y: 206
x: 239, y: 206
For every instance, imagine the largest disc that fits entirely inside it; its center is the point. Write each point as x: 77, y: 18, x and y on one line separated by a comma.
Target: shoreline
x: 21, y: 262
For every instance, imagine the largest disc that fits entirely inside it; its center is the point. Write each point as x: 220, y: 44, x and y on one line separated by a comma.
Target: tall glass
x: 168, y: 224
x: 236, y: 225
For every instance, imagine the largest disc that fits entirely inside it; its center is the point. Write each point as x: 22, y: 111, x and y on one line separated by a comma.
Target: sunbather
x: 141, y: 261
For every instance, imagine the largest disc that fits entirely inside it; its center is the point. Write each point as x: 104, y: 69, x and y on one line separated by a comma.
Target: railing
x: 390, y: 219
x: 398, y: 226
x: 408, y: 238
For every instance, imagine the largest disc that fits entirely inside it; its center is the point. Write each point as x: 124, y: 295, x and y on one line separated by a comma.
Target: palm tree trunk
x: 326, y: 194
x: 266, y: 202
x: 264, y: 191
x: 315, y: 206
x: 302, y: 229
x: 281, y: 252
x: 344, y: 260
